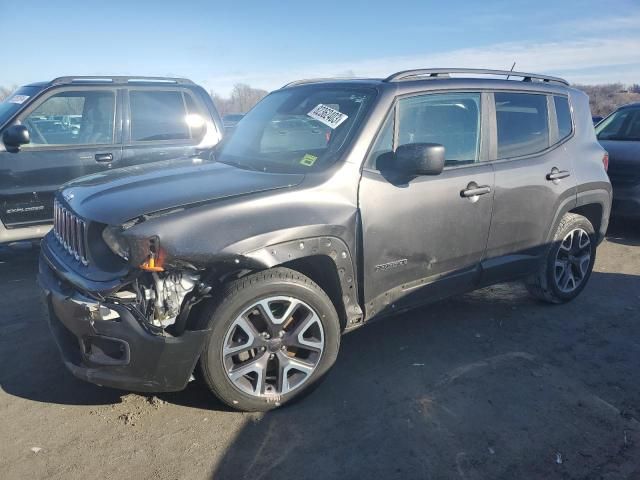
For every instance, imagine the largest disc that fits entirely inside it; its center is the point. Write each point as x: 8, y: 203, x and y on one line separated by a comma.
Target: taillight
x: 605, y: 161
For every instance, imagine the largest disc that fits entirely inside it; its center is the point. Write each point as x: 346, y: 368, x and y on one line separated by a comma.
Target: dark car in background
x: 53, y: 132
x: 619, y: 135
x: 230, y: 120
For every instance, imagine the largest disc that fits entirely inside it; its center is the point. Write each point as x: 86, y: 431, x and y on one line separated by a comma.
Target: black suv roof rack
x: 446, y: 72
x: 120, y: 80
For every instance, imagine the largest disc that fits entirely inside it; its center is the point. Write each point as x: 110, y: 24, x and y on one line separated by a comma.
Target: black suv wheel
x: 274, y: 334
x: 569, y: 261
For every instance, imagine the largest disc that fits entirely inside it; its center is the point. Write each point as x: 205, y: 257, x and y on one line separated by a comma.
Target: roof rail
x: 445, y: 72
x: 304, y: 81
x: 119, y: 80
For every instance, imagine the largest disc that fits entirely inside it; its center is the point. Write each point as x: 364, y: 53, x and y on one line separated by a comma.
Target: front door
x: 73, y: 133
x: 424, y: 237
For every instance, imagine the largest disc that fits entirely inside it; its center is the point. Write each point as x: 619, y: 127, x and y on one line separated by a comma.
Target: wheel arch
x: 327, y: 261
x: 594, y: 205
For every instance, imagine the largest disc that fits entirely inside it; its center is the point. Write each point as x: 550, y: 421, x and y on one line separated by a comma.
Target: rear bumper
x: 626, y: 201
x: 118, y: 352
x: 10, y: 235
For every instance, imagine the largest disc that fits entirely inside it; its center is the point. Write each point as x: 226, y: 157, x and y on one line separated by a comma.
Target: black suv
x: 55, y: 131
x: 334, y: 203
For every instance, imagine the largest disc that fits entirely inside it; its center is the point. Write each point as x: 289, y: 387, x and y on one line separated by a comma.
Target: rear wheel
x: 274, y: 334
x: 569, y: 261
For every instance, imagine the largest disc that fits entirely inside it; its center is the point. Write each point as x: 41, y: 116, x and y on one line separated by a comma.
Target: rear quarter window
x: 522, y: 122
x: 563, y: 115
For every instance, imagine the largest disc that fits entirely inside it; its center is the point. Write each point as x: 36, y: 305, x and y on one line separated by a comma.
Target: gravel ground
x: 486, y: 385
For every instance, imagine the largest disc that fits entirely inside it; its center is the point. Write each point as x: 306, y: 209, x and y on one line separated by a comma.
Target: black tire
x: 235, y: 298
x: 544, y: 285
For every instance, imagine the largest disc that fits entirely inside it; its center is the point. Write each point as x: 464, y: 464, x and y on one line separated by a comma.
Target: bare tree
x: 242, y: 99
x: 604, y: 99
x: 6, y: 91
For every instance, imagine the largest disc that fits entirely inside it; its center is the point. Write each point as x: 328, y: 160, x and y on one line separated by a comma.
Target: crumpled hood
x: 119, y: 195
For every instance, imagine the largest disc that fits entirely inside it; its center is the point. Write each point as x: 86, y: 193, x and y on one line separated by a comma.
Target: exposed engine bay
x: 164, y: 299
x: 167, y: 294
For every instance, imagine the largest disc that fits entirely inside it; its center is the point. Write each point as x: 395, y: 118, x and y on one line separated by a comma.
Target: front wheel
x: 569, y: 261
x: 274, y: 334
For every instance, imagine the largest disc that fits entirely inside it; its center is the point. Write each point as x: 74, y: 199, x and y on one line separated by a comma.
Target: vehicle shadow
x: 488, y: 385
x: 37, y: 373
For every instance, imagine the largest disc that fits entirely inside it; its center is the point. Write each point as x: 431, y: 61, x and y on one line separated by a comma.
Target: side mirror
x: 421, y: 158
x: 14, y: 137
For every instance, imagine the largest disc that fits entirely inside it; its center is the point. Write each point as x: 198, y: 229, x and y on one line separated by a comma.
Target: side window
x: 158, y: 115
x: 451, y: 119
x: 563, y: 113
x: 73, y: 118
x: 523, y: 125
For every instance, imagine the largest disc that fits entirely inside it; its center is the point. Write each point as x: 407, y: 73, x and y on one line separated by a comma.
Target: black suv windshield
x: 15, y: 101
x: 297, y: 130
x: 621, y: 125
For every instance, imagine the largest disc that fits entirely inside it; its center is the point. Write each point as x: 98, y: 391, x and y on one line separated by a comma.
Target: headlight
x: 117, y: 244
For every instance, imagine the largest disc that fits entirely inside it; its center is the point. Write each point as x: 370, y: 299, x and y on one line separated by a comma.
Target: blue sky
x: 267, y: 43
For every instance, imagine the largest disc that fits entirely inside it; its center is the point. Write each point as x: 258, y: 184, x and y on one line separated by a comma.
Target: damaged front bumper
x: 104, y: 343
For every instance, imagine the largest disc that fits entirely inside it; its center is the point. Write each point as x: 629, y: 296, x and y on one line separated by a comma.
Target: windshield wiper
x: 244, y: 166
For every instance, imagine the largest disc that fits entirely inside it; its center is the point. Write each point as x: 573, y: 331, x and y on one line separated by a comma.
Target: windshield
x: 621, y: 125
x: 296, y: 130
x: 15, y: 102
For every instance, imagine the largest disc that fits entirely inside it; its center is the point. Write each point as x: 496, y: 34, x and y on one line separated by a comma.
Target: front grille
x: 71, y: 232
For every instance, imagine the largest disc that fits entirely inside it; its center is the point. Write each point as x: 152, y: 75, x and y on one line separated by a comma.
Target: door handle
x: 104, y: 157
x: 474, y: 190
x: 556, y: 174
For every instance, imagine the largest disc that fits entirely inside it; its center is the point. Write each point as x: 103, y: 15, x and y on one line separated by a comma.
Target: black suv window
x: 563, y: 114
x: 523, y: 126
x: 73, y: 118
x: 451, y: 119
x: 158, y: 115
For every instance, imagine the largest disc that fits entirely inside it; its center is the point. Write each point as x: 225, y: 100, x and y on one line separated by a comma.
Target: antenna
x: 512, y: 67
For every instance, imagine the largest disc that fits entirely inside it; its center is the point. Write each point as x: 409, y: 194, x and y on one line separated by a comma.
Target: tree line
x: 603, y: 98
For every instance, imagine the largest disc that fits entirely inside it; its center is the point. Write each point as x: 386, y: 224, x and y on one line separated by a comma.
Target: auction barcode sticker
x: 327, y: 115
x: 19, y: 99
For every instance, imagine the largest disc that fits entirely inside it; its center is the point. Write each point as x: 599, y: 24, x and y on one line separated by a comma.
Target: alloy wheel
x: 273, y: 346
x: 573, y: 260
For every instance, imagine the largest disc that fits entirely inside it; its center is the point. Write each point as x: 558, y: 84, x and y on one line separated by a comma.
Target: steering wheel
x: 32, y: 128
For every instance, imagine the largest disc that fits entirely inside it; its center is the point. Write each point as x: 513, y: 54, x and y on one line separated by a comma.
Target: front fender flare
x: 332, y: 247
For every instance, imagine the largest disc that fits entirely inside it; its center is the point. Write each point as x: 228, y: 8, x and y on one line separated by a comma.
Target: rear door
x: 74, y: 131
x: 534, y: 179
x: 422, y: 237
x: 162, y: 124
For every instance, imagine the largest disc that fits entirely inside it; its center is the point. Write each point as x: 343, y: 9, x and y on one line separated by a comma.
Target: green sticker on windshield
x: 308, y: 160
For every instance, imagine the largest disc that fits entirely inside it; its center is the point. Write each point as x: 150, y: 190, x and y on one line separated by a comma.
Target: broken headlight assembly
x: 116, y: 242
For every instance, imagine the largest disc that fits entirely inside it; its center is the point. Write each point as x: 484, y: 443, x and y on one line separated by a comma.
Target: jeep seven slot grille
x: 71, y: 232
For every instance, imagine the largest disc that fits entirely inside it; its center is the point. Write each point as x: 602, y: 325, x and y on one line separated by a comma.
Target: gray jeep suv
x: 335, y: 202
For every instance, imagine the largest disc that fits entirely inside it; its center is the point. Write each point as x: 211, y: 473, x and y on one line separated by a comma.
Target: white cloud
x: 594, y: 60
